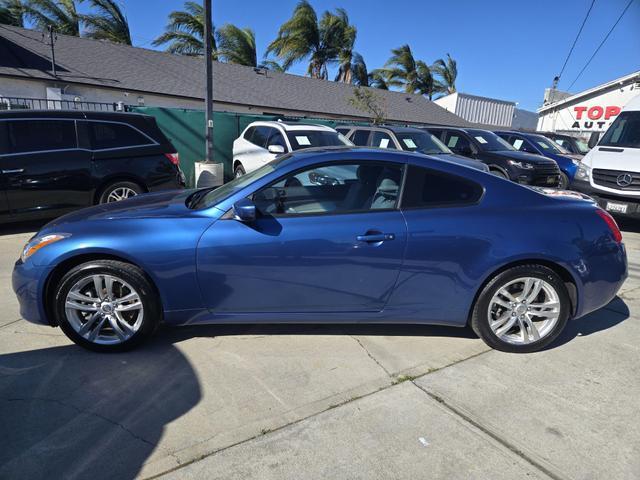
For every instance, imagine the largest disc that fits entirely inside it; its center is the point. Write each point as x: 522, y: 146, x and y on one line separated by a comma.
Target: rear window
x: 300, y: 139
x: 25, y: 136
x: 429, y: 188
x: 104, y: 135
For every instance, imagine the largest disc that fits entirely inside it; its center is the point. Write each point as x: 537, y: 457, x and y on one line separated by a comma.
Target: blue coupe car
x: 400, y: 238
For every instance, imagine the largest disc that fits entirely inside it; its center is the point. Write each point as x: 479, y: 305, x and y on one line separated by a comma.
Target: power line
x: 601, y: 43
x: 576, y: 39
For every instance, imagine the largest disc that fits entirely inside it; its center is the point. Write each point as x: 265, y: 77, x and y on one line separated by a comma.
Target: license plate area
x: 616, y: 207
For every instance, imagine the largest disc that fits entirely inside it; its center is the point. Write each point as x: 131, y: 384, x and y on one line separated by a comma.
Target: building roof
x: 632, y: 77
x: 25, y: 53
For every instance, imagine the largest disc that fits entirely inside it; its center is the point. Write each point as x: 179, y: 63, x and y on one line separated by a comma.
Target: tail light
x: 611, y: 223
x: 173, y: 158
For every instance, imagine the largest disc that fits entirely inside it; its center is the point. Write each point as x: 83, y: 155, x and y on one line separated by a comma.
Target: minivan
x: 54, y: 161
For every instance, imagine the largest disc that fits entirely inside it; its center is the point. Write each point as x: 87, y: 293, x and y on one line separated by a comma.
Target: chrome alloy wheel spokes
x: 524, y: 310
x: 121, y: 193
x: 104, y: 309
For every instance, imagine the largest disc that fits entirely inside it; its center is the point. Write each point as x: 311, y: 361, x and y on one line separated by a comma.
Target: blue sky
x: 506, y: 49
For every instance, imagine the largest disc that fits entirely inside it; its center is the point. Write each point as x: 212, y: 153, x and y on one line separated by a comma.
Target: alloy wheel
x: 524, y: 311
x: 104, y: 309
x: 121, y: 193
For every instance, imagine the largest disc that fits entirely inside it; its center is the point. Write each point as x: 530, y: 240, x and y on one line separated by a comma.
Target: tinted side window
x: 360, y: 137
x: 342, y: 130
x: 260, y: 136
x: 457, y: 142
x: 521, y: 144
x: 115, y: 135
x: 382, y: 140
x: 430, y: 188
x: 4, y: 139
x: 277, y: 138
x: 249, y: 133
x: 41, y: 135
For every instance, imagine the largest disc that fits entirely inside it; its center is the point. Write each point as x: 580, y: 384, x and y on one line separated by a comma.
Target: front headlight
x: 524, y: 165
x: 37, y: 243
x: 583, y: 172
x: 576, y: 162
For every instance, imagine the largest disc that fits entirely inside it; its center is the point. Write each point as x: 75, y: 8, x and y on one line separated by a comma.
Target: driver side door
x: 328, y: 238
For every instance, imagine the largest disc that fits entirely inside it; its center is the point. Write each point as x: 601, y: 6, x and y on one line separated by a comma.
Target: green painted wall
x: 185, y: 129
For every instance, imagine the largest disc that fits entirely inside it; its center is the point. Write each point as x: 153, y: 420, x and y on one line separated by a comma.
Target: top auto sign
x: 593, y: 117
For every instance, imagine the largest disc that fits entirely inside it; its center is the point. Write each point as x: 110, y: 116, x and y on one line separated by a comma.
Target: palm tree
x: 355, y: 71
x: 60, y: 14
x: 11, y: 13
x: 272, y: 65
x: 108, y: 23
x: 185, y: 31
x: 303, y: 36
x: 346, y: 55
x: 378, y: 79
x: 404, y: 71
x: 448, y: 72
x: 237, y: 45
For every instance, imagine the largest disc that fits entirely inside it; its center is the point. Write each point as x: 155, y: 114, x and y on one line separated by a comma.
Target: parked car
x: 262, y: 142
x: 454, y: 246
x: 541, y: 145
x: 572, y: 144
x: 502, y: 159
x: 610, y: 172
x: 52, y: 162
x: 404, y: 138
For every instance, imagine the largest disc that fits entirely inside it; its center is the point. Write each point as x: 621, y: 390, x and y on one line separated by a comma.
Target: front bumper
x: 28, y: 284
x: 536, y: 177
x: 619, y: 205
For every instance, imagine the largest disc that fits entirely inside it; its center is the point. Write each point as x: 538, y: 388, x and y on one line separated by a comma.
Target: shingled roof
x: 25, y: 54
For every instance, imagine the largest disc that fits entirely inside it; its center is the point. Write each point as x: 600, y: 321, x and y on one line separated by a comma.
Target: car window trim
x: 440, y: 205
x: 402, y: 165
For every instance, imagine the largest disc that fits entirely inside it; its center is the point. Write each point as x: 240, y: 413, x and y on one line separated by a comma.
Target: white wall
x: 487, y: 111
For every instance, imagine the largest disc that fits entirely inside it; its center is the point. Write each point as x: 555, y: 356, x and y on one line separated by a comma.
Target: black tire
x: 564, y: 181
x: 125, y: 271
x: 500, y: 173
x: 119, y: 185
x: 480, y: 313
x: 239, y: 171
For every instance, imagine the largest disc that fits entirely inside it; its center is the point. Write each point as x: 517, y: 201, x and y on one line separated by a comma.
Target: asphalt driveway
x: 322, y: 402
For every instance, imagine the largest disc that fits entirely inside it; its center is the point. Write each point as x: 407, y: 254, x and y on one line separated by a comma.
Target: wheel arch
x: 567, y: 277
x: 493, y: 166
x: 67, y: 264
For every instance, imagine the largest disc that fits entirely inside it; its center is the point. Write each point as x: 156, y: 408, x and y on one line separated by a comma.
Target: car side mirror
x: 244, y: 211
x: 594, y: 139
x: 277, y: 149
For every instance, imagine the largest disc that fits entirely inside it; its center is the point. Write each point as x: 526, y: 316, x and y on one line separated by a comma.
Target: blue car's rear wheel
x: 106, y: 305
x: 522, y: 309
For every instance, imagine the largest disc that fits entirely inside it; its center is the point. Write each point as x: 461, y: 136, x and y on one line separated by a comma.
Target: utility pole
x: 52, y: 40
x: 208, y: 58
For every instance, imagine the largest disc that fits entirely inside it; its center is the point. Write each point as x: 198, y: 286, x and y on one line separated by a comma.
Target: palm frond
x: 107, y: 23
x: 237, y: 45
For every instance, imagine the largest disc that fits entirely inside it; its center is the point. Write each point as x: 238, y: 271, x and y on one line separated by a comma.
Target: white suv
x: 261, y: 142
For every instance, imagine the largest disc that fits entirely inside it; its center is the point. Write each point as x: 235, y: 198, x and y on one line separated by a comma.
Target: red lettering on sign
x: 595, y: 113
x: 611, y: 111
x: 579, y: 111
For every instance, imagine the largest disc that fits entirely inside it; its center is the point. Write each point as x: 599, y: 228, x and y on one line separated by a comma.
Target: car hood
x: 150, y: 205
x: 521, y: 157
x: 466, y: 162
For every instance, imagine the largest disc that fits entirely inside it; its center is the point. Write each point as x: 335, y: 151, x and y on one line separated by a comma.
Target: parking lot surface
x: 322, y: 401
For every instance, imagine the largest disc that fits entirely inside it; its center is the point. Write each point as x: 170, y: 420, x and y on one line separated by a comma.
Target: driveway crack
x: 372, y: 357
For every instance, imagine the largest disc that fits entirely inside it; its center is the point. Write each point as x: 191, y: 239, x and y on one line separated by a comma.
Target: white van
x: 610, y: 172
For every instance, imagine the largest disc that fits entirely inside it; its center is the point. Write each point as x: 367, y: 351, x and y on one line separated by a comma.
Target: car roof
x: 392, y: 128
x: 73, y: 114
x: 290, y: 126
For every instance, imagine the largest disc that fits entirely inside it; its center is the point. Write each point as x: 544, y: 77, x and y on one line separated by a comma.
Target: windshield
x: 583, y: 147
x: 624, y: 132
x: 547, y: 145
x: 300, y: 139
x: 214, y: 197
x: 422, y: 142
x: 489, y: 141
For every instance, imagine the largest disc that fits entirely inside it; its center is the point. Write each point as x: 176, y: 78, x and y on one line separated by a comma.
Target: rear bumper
x: 618, y: 205
x: 28, y: 284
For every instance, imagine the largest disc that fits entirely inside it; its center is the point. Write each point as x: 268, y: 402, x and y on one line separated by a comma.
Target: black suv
x: 404, y: 138
x: 502, y: 159
x: 52, y: 162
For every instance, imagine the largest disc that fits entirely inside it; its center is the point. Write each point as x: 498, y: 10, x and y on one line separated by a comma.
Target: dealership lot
x: 322, y: 401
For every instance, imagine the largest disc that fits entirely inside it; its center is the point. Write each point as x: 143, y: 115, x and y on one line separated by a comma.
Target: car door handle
x: 375, y: 237
x: 15, y: 170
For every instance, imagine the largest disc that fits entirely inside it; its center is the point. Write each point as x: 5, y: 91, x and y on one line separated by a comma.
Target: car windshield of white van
x: 624, y: 132
x: 316, y: 138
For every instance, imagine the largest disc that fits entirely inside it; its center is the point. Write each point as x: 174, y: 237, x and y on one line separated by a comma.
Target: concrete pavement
x: 321, y: 402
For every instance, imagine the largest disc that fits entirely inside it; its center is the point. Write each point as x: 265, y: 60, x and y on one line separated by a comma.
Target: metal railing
x: 22, y: 103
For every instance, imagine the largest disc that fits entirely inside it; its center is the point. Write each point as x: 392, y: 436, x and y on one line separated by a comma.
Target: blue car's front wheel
x: 106, y: 305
